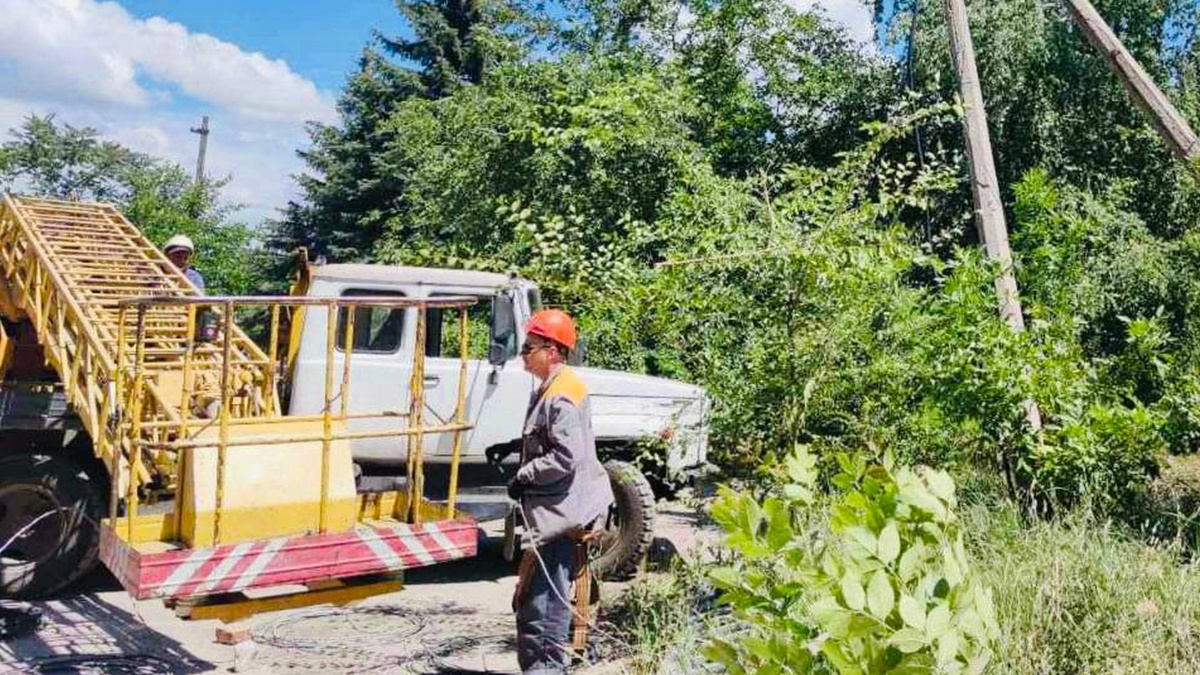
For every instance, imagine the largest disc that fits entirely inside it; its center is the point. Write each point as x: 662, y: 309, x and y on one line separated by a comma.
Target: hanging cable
x: 29, y: 526
x: 910, y: 82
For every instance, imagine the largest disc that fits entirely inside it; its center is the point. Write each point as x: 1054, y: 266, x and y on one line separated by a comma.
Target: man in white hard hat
x: 179, y: 250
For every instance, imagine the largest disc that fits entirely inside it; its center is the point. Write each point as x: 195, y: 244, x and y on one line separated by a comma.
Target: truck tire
x: 628, y: 529
x: 42, y: 557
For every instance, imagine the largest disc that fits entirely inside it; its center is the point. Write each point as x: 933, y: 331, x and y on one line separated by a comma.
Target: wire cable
x: 592, y: 624
x: 29, y: 526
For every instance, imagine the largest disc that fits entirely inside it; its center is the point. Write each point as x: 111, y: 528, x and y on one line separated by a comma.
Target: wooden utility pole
x: 985, y: 188
x: 1172, y: 126
x: 203, y: 131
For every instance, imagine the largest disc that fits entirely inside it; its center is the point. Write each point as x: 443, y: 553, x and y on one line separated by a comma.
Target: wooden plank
x: 238, y: 607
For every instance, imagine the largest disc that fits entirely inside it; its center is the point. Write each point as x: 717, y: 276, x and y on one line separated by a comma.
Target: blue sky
x: 319, y: 39
x: 143, y: 72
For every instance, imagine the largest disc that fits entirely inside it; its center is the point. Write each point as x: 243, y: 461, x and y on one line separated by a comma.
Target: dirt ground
x: 451, y: 618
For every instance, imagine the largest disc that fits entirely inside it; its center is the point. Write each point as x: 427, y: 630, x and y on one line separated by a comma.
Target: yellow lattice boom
x: 181, y: 407
x: 66, y: 266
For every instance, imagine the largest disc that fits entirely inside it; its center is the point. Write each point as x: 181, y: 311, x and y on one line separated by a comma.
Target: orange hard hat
x: 553, y: 324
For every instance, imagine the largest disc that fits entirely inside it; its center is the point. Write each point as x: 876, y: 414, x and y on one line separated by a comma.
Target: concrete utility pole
x: 985, y: 189
x: 1172, y: 126
x: 203, y: 131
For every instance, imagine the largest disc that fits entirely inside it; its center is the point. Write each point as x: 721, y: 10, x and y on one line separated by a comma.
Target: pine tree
x: 347, y: 192
x: 346, y: 196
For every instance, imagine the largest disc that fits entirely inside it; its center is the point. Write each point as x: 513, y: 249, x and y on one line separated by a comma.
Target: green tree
x: 458, y: 41
x: 58, y: 160
x: 50, y: 159
x: 555, y: 168
x: 349, y: 191
x: 776, y: 85
x: 1052, y: 100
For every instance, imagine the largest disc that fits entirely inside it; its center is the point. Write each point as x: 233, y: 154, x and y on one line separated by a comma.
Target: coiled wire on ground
x: 382, y: 638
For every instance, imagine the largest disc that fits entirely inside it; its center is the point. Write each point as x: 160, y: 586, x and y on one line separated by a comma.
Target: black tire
x: 629, y: 526
x: 59, y: 548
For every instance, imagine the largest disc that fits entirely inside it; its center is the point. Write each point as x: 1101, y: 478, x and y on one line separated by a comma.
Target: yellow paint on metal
x: 147, y: 527
x: 66, y: 266
x: 182, y: 407
x: 327, y: 413
x: 8, y: 304
x: 416, y: 411
x: 374, y: 507
x: 460, y: 409
x: 273, y: 490
x: 7, y: 348
x: 341, y: 593
x: 299, y: 288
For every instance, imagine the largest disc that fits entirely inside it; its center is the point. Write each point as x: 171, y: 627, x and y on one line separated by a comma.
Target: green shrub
x: 887, y: 588
x: 1073, y: 595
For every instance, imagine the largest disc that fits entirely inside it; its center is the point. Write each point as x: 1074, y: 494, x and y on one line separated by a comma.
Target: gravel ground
x: 451, y: 618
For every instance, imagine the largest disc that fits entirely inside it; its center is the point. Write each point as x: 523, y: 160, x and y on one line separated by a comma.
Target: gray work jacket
x: 567, y: 487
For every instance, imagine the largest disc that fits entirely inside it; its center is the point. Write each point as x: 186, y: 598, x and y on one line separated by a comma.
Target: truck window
x: 376, y: 329
x: 441, y: 333
x: 534, y: 296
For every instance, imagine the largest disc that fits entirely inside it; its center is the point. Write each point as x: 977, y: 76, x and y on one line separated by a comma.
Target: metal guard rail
x: 179, y: 434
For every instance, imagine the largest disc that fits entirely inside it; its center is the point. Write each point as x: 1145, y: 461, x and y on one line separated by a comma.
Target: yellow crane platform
x: 213, y: 489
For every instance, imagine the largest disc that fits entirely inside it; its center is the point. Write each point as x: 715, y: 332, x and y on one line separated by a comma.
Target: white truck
x: 54, y: 490
x: 648, y: 429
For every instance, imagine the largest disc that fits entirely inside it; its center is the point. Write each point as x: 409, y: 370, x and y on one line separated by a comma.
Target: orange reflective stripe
x: 566, y: 384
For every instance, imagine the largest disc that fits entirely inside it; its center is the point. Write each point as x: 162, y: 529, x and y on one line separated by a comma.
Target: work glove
x: 515, y: 490
x: 496, y: 454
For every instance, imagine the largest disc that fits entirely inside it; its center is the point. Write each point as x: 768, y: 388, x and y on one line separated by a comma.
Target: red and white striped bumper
x: 368, y: 549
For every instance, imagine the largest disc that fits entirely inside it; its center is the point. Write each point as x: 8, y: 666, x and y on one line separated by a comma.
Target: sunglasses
x: 529, y: 348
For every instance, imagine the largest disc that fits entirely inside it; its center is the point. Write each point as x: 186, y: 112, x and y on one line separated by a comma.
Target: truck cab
x: 647, y: 429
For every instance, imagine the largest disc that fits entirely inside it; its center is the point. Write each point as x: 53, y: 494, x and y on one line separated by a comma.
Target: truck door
x: 496, y: 397
x: 380, y: 369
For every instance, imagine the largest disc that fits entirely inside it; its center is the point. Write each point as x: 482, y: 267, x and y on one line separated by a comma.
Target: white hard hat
x: 179, y: 241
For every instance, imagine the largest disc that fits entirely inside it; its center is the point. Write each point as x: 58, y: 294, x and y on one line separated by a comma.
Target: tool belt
x: 583, y: 536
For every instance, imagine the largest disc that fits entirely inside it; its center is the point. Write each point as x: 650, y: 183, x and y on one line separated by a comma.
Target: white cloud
x: 93, y: 64
x: 260, y: 156
x: 853, y: 14
x: 90, y: 50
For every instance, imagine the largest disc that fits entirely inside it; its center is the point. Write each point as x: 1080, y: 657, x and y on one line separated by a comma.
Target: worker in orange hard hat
x: 562, y: 489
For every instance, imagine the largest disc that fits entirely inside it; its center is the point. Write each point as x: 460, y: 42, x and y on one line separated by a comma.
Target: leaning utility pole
x: 985, y: 189
x: 1172, y: 126
x: 203, y: 131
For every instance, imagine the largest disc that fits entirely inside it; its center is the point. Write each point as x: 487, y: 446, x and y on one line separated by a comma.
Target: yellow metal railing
x: 118, y: 323
x: 183, y: 432
x: 66, y: 266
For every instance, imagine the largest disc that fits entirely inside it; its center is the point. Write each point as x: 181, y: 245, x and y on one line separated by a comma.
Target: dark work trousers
x: 544, y: 620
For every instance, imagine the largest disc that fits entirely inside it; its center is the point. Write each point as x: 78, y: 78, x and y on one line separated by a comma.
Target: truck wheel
x: 629, y: 525
x: 39, y: 558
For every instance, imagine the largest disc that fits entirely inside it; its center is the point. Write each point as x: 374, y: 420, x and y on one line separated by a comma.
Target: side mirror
x: 496, y: 355
x: 579, y: 354
x: 503, y: 343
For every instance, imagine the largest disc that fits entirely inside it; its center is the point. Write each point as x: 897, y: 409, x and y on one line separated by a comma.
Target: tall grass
x: 1076, y: 595
x: 1079, y: 596
x: 665, y: 620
